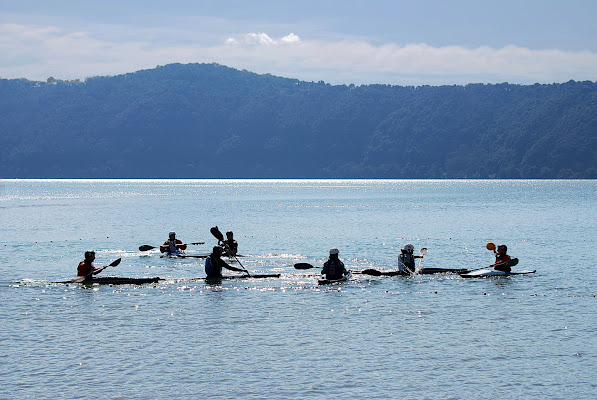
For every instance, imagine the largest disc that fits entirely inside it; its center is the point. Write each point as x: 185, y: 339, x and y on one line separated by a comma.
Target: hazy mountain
x: 210, y: 121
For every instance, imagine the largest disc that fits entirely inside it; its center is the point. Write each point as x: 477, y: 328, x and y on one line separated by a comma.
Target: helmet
x: 229, y: 233
x: 171, y: 233
x: 409, y: 247
x: 89, y: 254
x: 503, y: 246
x: 334, y: 251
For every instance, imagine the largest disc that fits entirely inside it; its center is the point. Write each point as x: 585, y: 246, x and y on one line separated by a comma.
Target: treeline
x: 210, y: 121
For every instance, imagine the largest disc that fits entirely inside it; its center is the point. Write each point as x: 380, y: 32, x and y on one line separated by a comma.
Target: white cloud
x: 37, y: 52
x: 291, y: 38
x: 259, y: 39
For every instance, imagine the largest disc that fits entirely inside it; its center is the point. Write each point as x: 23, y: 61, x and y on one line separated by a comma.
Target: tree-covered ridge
x: 208, y: 121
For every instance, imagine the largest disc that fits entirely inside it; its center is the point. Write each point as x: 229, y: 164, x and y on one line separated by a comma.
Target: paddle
x: 423, y: 251
x: 510, y: 263
x: 303, y: 265
x: 78, y: 279
x: 146, y: 247
x: 371, y: 271
x: 218, y: 235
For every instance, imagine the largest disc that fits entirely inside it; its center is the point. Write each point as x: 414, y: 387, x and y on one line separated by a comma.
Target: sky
x: 396, y: 42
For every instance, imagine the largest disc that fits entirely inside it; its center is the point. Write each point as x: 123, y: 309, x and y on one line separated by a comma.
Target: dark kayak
x: 193, y: 255
x: 424, y: 271
x: 332, y: 281
x: 114, y: 280
x: 255, y: 276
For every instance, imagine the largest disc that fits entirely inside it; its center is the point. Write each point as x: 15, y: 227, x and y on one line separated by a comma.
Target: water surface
x: 439, y: 337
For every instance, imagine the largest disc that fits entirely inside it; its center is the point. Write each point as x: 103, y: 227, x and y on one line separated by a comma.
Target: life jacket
x: 211, y: 270
x: 333, y: 269
x: 83, y: 269
x: 172, y: 246
x: 406, y: 262
x: 501, y: 259
x: 501, y: 263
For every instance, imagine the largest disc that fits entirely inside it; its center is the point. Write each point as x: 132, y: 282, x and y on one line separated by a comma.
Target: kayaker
x: 501, y: 258
x: 214, y: 264
x: 86, y: 267
x: 406, y: 259
x: 172, y: 245
x: 230, y: 245
x: 333, y: 268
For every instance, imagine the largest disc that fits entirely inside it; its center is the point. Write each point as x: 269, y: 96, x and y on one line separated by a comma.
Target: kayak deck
x: 193, y: 256
x: 113, y: 280
x: 254, y: 276
x: 424, y: 271
x: 333, y: 281
x: 490, y: 272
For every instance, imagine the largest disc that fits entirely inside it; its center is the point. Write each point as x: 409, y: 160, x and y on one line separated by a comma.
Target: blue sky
x: 400, y: 42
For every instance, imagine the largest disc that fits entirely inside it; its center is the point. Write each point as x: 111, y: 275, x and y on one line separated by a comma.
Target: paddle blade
x: 513, y: 262
x: 115, y: 262
x: 490, y: 246
x: 423, y: 251
x: 373, y: 272
x: 146, y: 247
x: 216, y: 233
x: 303, y: 266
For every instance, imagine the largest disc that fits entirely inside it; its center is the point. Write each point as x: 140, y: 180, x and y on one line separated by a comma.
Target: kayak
x: 429, y: 271
x: 254, y: 276
x: 184, y: 256
x: 333, y: 281
x: 114, y: 280
x: 192, y: 256
x: 424, y: 271
x: 490, y: 272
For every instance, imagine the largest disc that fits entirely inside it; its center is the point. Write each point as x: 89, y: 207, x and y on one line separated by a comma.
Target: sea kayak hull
x: 490, y: 272
x: 424, y: 271
x: 192, y: 256
x: 255, y: 276
x: 335, y: 281
x: 113, y: 280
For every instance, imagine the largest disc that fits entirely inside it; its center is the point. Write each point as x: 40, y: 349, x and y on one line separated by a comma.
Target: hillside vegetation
x: 211, y: 121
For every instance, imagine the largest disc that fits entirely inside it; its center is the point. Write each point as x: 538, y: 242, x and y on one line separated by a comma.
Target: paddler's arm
x: 98, y: 270
x: 324, y: 270
x: 231, y: 268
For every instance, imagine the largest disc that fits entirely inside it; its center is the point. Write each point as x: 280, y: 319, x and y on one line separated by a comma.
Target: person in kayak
x: 333, y: 268
x: 501, y: 259
x: 230, y: 245
x: 214, y: 264
x: 172, y: 245
x: 86, y: 267
x: 406, y: 259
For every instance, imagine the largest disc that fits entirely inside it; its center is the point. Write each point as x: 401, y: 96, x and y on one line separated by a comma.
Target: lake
x: 424, y: 337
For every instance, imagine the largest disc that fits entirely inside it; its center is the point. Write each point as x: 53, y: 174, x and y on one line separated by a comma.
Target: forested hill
x: 210, y: 121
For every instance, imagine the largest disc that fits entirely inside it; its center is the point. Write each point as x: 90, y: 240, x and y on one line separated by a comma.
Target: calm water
x: 429, y: 337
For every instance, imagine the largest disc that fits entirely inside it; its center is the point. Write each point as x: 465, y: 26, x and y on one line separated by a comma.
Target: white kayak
x: 332, y: 281
x: 493, y: 272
